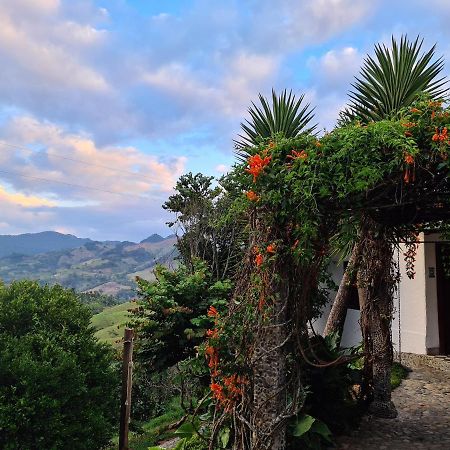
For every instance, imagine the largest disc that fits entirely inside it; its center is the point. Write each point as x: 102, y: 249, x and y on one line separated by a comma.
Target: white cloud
x: 76, y: 159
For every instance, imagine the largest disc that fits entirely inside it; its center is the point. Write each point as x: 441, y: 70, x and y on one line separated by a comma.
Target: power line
x: 72, y: 184
x: 128, y: 172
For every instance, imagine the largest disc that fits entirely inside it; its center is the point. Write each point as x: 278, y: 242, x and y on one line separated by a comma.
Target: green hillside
x: 110, y: 322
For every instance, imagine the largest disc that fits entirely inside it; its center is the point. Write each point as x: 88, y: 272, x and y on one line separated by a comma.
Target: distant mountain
x: 85, y: 265
x: 153, y: 239
x: 34, y: 243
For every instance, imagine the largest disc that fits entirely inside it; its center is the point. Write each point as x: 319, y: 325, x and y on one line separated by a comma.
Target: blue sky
x: 125, y: 96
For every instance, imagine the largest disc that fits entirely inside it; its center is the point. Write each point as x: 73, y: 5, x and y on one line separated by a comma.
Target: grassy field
x: 110, y: 322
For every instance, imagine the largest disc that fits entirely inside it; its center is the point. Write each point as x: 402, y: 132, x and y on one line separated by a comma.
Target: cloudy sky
x: 104, y: 104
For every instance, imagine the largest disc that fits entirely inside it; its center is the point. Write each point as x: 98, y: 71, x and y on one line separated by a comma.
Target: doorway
x: 443, y: 296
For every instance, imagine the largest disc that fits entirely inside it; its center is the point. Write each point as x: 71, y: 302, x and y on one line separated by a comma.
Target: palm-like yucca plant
x: 393, y: 79
x: 286, y: 116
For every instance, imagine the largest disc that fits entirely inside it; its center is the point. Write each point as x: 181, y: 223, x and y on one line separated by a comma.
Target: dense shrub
x: 57, y: 384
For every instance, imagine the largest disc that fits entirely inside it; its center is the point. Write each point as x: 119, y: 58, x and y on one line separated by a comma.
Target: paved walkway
x: 423, y: 404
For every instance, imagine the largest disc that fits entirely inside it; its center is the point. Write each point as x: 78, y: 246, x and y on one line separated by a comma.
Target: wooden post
x: 125, y: 400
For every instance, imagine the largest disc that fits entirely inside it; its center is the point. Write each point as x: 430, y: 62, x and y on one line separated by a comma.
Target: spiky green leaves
x: 286, y: 116
x: 393, y: 78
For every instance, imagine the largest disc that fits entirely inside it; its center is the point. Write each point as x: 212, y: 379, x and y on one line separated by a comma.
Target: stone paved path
x: 423, y: 404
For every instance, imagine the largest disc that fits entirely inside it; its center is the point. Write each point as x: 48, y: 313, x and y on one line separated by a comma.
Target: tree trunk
x: 338, y: 313
x: 269, y: 373
x: 376, y: 284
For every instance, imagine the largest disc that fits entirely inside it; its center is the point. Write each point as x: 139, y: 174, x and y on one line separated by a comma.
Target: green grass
x: 155, y: 430
x: 398, y: 373
x: 109, y: 323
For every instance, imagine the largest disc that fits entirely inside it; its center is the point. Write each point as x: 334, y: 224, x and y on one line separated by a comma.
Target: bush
x: 57, y: 383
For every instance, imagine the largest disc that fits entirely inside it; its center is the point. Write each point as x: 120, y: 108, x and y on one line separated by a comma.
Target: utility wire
x: 134, y: 174
x: 72, y: 184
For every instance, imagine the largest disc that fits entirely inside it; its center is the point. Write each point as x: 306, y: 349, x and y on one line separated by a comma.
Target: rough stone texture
x: 437, y: 362
x: 423, y: 422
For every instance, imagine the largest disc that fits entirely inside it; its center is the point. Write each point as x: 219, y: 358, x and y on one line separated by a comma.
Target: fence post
x: 125, y: 400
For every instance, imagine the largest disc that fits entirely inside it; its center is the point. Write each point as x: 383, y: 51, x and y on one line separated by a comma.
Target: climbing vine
x: 298, y: 193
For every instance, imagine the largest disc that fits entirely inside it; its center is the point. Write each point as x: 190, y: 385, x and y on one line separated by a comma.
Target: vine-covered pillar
x: 269, y: 363
x: 376, y: 282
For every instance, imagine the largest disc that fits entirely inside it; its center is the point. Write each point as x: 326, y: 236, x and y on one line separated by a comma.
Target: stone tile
x: 423, y: 422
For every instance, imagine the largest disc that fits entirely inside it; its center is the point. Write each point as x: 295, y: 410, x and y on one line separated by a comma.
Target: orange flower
x: 259, y: 259
x: 271, y: 144
x: 252, y: 196
x: 212, y: 333
x: 318, y: 144
x: 212, y: 312
x: 440, y: 135
x: 217, y: 390
x: 409, y: 124
x: 298, y: 155
x: 409, y: 159
x: 257, y: 164
x: 435, y: 104
x: 415, y: 110
x: 406, y: 176
x: 271, y: 248
x: 408, y: 133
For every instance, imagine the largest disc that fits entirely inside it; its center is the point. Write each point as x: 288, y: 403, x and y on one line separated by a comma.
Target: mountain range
x: 109, y: 267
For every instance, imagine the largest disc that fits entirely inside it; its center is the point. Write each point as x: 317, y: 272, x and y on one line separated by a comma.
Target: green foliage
x: 284, y: 117
x: 96, y: 301
x: 57, y: 384
x: 398, y: 374
x: 394, y: 78
x: 333, y: 390
x: 311, y: 433
x: 171, y: 317
x: 211, y: 224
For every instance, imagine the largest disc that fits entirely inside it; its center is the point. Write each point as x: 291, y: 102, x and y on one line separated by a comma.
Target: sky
x: 105, y: 104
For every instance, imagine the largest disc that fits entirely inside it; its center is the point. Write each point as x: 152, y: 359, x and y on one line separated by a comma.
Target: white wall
x: 417, y: 310
x: 412, y: 308
x: 352, y: 332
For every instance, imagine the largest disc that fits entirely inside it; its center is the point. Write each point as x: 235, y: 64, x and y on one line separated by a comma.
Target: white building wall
x: 352, y: 332
x: 417, y: 309
x: 412, y: 308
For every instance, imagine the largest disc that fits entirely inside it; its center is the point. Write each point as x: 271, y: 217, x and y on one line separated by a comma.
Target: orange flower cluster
x: 440, y: 135
x: 212, y: 312
x: 252, y: 196
x: 409, y: 124
x: 259, y: 259
x: 212, y: 355
x: 233, y: 386
x: 271, y: 248
x: 298, y: 155
x: 257, y: 163
x: 435, y: 104
x: 415, y: 110
x: 409, y: 159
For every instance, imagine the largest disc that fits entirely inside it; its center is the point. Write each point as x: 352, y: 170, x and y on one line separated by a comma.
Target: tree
x: 394, y: 78
x: 57, y: 384
x: 285, y: 117
x: 388, y: 83
x: 211, y: 227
